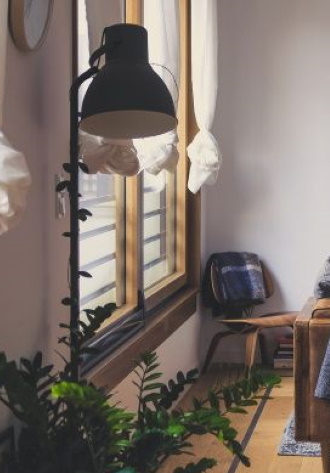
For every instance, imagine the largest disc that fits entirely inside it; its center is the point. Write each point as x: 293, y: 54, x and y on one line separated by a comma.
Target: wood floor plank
x: 311, y: 465
x: 263, y: 444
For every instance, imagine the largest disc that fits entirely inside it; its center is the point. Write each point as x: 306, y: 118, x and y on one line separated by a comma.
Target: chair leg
x: 325, y: 451
x: 263, y: 351
x: 250, y: 348
x: 213, y: 345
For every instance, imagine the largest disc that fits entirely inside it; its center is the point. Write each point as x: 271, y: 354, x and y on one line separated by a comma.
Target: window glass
x: 158, y: 227
x: 98, y: 240
x: 130, y: 242
x: 99, y: 194
x: 159, y: 192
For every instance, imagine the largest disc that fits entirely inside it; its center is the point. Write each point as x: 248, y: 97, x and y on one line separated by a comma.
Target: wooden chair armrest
x: 321, y: 309
x: 274, y: 319
x: 306, y: 313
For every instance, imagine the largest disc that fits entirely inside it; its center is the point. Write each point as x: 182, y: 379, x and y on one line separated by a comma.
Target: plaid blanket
x: 322, y: 290
x: 322, y: 390
x: 239, y: 281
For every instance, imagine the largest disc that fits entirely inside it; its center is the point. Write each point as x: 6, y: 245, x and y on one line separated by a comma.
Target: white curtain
x: 100, y: 155
x: 102, y: 13
x: 161, y: 19
x: 109, y: 156
x: 204, y: 152
x: 155, y: 154
x: 14, y: 175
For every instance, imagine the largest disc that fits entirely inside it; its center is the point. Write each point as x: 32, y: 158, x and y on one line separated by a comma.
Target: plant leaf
x: 83, y: 167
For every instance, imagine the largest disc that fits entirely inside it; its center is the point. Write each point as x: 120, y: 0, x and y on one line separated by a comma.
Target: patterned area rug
x: 289, y: 446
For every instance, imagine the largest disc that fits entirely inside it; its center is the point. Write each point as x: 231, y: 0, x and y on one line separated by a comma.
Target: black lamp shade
x: 126, y: 98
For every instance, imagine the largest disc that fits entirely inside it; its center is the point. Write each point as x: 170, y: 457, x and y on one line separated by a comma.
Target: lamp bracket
x: 82, y: 78
x: 96, y: 55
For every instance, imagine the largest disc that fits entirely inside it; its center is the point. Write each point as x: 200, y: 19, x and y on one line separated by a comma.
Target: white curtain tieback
x: 109, y: 156
x: 15, y: 180
x: 206, y: 160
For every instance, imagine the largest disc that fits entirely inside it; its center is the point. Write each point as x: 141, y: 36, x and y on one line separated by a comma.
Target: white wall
x: 273, y: 122
x: 33, y: 256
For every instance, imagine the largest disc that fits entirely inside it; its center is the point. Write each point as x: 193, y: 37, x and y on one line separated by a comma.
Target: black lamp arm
x: 82, y: 78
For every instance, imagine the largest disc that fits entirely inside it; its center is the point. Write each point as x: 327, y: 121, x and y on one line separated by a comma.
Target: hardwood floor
x: 263, y: 444
x: 262, y: 447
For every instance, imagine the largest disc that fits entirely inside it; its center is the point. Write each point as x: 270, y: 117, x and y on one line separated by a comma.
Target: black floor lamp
x: 126, y: 99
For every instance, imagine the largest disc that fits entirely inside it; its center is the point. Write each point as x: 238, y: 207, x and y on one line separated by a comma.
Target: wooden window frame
x: 177, y: 292
x: 171, y: 284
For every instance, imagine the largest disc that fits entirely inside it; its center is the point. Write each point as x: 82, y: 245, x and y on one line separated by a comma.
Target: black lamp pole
x: 126, y: 99
x: 75, y: 217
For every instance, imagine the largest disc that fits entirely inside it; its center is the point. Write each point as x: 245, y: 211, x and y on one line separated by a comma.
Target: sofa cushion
x: 322, y: 285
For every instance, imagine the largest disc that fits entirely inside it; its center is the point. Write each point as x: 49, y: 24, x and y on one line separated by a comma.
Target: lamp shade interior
x: 128, y: 124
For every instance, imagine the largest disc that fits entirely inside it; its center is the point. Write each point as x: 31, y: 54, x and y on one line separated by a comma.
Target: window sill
x: 113, y: 369
x: 164, y: 289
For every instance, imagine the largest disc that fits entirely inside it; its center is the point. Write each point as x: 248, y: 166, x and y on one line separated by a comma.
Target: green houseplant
x: 73, y: 427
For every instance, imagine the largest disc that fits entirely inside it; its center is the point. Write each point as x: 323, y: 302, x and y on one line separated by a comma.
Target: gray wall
x: 33, y: 256
x: 273, y: 121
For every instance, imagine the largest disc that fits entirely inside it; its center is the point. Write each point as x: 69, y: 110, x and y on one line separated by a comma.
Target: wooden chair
x: 250, y: 327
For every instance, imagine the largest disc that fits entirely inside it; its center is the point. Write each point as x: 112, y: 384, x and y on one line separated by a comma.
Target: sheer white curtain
x: 161, y: 19
x: 102, y: 13
x: 204, y: 152
x: 14, y: 175
x: 100, y: 155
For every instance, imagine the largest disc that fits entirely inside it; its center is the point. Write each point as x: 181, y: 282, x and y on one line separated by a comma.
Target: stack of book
x: 283, y: 356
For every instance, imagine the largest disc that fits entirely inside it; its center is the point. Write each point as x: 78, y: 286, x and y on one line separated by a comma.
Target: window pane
x: 158, y: 227
x: 98, y: 239
x: 99, y: 194
x: 159, y: 205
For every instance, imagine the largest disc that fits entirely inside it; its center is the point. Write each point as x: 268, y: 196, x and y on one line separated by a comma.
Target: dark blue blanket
x: 238, y: 279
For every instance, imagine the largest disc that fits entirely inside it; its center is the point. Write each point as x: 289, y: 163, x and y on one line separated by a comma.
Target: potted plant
x: 73, y: 427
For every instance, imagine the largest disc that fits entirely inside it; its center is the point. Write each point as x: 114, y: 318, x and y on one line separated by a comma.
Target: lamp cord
x: 172, y: 75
